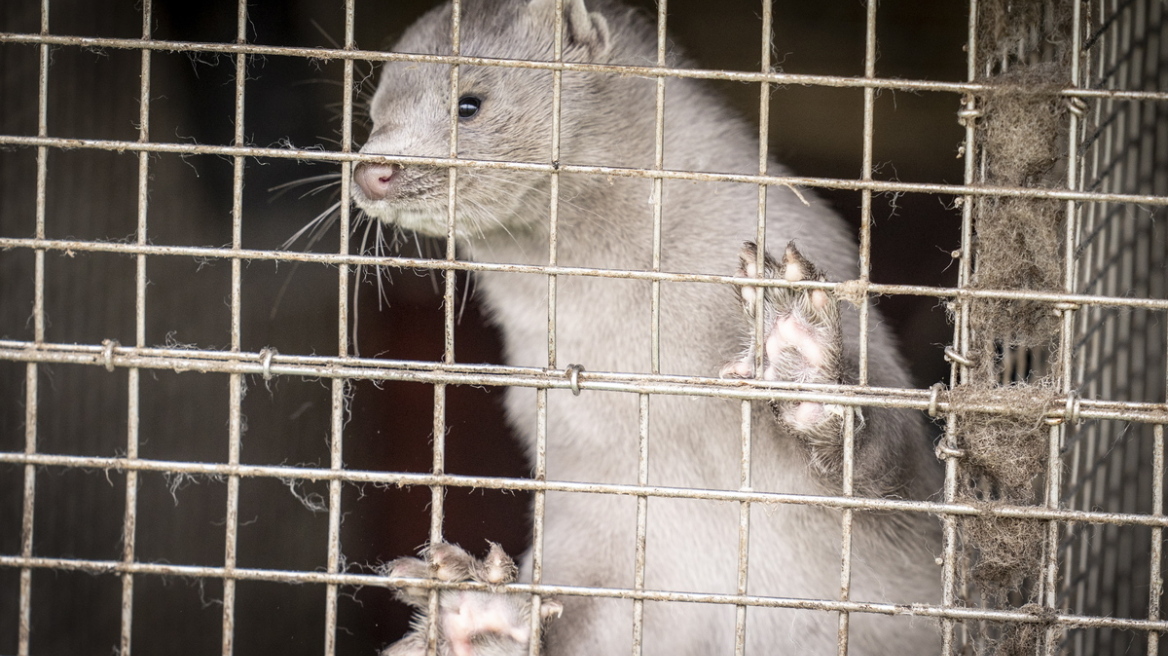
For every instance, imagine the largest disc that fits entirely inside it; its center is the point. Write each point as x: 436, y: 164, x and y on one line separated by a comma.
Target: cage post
x: 1066, y: 312
x: 1092, y: 488
x: 340, y: 386
x: 865, y: 266
x: 540, y: 476
x: 759, y: 331
x: 642, y: 523
x: 541, y: 393
x: 554, y: 182
x: 658, y: 198
x: 130, y: 518
x: 235, y: 409
x: 959, y: 369
x: 438, y: 465
x: 1155, y: 577
x: 644, y: 400
x: 28, y: 505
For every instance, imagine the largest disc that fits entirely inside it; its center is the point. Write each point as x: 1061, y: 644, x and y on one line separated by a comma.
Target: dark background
x: 89, y: 297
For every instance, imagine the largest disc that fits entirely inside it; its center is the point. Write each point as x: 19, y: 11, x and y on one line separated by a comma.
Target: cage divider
x: 539, y: 469
x: 235, y: 381
x: 1090, y: 535
x: 952, y: 576
x: 340, y: 388
x: 438, y: 465
x: 32, y: 370
x: 642, y: 523
x: 130, y: 515
x: 1058, y: 431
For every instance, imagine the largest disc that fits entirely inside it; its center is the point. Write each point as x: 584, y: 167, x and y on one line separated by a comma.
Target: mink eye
x: 468, y: 106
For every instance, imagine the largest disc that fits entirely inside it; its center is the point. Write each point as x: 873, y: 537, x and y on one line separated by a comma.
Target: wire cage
x: 211, y: 439
x: 1114, y: 570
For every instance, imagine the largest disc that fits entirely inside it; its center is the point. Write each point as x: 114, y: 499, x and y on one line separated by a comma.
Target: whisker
x: 358, y: 276
x: 316, y: 227
x: 317, y: 80
x: 336, y: 141
x: 283, y: 290
x: 323, y: 32
x: 465, y: 293
x: 316, y: 230
x: 319, y: 188
x: 431, y: 273
x: 379, y: 251
x: 282, y: 188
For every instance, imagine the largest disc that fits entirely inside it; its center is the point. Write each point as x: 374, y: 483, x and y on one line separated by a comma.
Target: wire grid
x: 1116, y: 571
x: 1108, y: 498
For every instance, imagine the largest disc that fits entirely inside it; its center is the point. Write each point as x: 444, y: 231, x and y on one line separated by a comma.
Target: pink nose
x: 376, y: 180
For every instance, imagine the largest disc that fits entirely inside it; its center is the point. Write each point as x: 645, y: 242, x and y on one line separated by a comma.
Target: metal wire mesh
x: 1116, y: 571
x: 1101, y: 581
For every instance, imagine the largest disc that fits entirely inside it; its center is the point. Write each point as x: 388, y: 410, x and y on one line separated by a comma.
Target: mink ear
x: 583, y: 29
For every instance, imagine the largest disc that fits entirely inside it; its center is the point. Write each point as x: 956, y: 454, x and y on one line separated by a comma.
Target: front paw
x: 802, y: 339
x: 468, y: 622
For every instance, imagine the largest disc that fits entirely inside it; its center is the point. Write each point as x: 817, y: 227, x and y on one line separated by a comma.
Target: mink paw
x: 802, y: 338
x: 468, y: 622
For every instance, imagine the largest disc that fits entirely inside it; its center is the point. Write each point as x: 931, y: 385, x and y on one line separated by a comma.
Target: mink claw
x: 468, y: 622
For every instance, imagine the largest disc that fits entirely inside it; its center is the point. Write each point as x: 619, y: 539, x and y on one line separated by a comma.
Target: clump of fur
x: 1015, y: 33
x: 1019, y: 245
x: 1004, y: 457
x: 1024, y: 54
x: 1023, y: 638
x: 1023, y: 127
x: 1007, y: 451
x: 1019, y: 248
x: 1008, y: 550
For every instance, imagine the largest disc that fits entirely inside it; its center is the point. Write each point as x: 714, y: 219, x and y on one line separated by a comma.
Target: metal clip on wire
x: 1070, y: 411
x: 107, y: 353
x: 952, y: 355
x: 944, y: 452
x: 573, y: 373
x: 1073, y: 407
x: 934, y: 393
x: 968, y: 117
x: 266, y: 359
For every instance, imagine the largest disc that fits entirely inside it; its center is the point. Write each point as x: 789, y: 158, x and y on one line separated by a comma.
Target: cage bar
x: 1100, y: 585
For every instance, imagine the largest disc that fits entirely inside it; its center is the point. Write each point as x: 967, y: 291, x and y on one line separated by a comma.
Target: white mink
x: 604, y: 325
